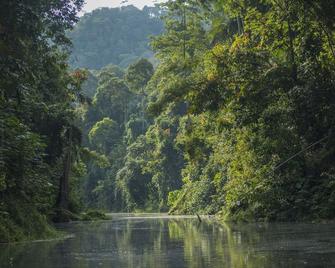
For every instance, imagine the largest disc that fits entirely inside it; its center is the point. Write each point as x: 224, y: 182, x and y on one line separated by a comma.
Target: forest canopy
x: 239, y: 111
x: 116, y: 36
x: 234, y: 118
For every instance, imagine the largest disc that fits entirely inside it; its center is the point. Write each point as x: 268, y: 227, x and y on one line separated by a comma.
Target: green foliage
x: 257, y: 84
x: 92, y: 215
x: 37, y: 93
x: 111, y: 99
x: 237, y: 118
x: 23, y: 222
x: 104, y: 134
x: 143, y: 163
x: 241, y: 87
x: 117, y: 36
x: 139, y: 74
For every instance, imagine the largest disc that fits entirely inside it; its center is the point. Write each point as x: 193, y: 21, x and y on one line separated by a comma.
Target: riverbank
x: 34, y: 226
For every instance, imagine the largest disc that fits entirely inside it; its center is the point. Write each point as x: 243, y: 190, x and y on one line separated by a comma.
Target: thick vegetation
x: 240, y: 111
x: 237, y: 118
x: 244, y: 93
x: 258, y: 81
x: 135, y: 163
x: 38, y: 136
x: 114, y: 35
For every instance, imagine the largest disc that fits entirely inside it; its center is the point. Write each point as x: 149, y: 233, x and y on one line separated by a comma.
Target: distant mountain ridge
x: 116, y: 36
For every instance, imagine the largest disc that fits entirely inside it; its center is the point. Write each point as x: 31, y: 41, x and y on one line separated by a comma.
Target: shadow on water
x: 152, y: 241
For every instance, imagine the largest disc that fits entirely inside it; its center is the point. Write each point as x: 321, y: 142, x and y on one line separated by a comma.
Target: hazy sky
x: 93, y: 4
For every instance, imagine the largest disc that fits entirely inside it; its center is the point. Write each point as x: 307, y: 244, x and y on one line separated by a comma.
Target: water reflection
x: 178, y: 242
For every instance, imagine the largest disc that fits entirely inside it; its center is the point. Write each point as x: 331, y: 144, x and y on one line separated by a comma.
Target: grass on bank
x: 26, y: 224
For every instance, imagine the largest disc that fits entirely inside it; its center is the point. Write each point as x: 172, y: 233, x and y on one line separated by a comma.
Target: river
x: 159, y: 241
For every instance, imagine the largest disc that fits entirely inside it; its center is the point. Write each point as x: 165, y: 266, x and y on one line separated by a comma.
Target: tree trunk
x: 63, y: 193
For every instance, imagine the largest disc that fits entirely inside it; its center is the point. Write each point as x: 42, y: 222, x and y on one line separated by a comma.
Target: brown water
x: 156, y: 240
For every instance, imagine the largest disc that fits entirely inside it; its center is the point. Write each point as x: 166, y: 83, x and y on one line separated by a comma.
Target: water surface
x: 155, y: 240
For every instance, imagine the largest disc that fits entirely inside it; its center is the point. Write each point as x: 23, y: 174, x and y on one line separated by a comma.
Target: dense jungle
x: 223, y: 107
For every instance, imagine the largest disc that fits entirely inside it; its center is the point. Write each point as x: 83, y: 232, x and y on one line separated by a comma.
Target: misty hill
x: 114, y: 36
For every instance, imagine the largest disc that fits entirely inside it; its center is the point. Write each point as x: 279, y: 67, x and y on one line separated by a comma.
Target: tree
x: 258, y: 74
x: 104, y: 134
x: 37, y: 93
x: 138, y: 75
x: 117, y: 36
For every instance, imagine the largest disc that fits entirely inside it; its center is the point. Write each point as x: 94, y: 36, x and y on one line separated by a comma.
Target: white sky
x: 93, y: 4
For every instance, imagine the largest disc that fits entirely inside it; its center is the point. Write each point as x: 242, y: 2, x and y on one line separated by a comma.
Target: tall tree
x: 37, y: 95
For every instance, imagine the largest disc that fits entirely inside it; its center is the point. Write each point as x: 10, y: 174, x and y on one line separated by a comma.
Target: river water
x: 156, y: 240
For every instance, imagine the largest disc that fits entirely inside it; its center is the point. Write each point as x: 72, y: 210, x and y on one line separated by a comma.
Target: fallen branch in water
x: 198, y: 217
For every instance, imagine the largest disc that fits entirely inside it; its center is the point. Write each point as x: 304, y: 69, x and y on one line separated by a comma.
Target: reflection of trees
x: 212, y: 245
x: 163, y: 243
x: 240, y: 247
x: 203, y: 243
x: 37, y: 254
